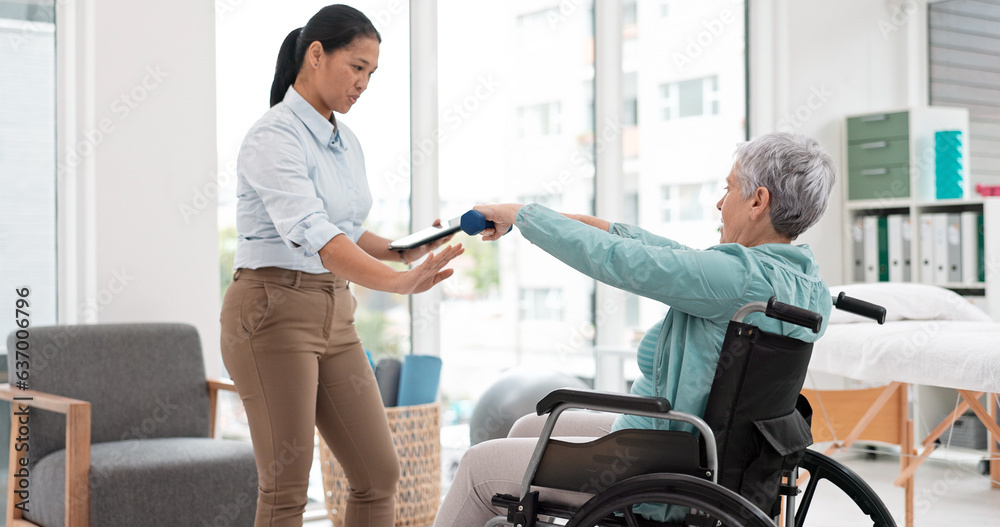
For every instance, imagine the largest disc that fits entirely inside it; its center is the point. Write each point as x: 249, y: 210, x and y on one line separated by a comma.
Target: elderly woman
x: 778, y: 187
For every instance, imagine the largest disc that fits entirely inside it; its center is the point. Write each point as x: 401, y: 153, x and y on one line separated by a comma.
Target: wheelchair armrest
x: 592, y: 400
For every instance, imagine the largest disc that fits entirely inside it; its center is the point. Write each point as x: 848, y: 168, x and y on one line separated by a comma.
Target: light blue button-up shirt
x: 300, y: 182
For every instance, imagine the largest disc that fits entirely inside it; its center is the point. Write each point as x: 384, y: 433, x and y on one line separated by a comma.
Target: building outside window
x: 28, y: 169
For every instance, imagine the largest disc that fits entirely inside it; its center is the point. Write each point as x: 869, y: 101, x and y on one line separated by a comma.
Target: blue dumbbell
x: 473, y: 223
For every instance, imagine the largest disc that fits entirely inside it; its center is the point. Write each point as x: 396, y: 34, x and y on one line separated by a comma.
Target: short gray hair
x: 797, y: 172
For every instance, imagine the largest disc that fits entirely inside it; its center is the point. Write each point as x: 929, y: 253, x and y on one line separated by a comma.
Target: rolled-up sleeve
x: 273, y: 162
x: 703, y: 283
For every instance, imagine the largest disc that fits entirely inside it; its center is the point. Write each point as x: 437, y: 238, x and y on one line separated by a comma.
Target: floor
x: 949, y: 491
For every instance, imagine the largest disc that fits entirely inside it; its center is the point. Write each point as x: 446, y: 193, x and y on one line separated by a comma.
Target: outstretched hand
x: 429, y: 272
x: 502, y: 217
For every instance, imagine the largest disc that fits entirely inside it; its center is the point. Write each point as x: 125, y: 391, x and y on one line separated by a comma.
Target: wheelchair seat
x: 733, y: 470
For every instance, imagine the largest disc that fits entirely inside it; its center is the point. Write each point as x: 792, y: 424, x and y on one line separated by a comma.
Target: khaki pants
x: 291, y: 348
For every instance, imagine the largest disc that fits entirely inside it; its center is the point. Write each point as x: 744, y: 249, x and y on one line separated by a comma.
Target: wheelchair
x: 741, y: 468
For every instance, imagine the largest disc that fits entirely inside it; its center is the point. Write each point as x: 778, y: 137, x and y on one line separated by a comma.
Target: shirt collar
x: 324, y: 130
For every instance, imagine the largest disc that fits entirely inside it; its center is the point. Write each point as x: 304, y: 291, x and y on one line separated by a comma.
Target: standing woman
x: 288, y: 335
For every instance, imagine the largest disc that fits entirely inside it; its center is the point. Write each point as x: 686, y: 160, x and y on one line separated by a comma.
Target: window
x: 541, y: 304
x: 666, y: 204
x: 530, y: 139
x: 690, y: 98
x: 631, y: 115
x: 964, y: 51
x: 690, y: 117
x: 28, y: 161
x: 538, y: 120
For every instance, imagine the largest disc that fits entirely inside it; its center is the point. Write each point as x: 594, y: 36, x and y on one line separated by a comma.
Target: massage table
x: 951, y: 347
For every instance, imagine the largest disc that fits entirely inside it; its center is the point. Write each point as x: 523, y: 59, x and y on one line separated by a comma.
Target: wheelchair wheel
x: 614, y: 506
x: 820, y: 468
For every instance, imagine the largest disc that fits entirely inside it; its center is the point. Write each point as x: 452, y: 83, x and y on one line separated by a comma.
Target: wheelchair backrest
x: 752, y: 411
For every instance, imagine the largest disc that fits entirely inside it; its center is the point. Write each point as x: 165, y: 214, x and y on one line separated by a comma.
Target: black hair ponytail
x: 334, y: 26
x: 287, y: 67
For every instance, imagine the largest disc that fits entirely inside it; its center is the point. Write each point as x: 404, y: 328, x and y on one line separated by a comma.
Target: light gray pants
x: 498, y: 466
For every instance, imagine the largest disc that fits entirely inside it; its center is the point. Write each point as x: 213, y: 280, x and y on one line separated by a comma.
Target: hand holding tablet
x: 472, y: 223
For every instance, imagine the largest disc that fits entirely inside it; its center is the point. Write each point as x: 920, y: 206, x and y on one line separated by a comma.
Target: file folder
x: 883, y: 249
x: 970, y: 247
x: 896, y: 255
x: 940, y: 236
x: 858, y: 237
x: 954, y: 248
x: 907, y: 233
x: 870, y: 228
x: 982, y: 248
x: 926, y: 246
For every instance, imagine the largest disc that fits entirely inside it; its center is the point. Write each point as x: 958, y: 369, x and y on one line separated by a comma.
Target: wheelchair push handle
x: 794, y: 314
x: 860, y: 307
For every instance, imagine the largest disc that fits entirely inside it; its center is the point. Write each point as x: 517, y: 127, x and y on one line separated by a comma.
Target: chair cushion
x: 141, y: 482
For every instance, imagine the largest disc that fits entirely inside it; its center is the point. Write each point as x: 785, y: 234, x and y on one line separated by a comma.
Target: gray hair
x: 797, y: 172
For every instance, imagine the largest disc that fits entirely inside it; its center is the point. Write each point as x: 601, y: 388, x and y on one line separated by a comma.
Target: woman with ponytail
x: 288, y: 335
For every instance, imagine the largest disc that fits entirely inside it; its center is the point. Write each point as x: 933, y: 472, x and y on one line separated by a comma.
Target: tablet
x: 426, y: 235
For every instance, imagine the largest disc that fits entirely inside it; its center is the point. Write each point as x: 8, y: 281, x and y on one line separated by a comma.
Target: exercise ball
x: 514, y: 394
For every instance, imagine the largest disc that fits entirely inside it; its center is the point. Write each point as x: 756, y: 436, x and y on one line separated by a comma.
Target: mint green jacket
x: 703, y: 288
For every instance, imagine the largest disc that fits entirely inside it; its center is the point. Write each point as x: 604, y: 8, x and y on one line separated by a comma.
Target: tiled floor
x: 948, y: 492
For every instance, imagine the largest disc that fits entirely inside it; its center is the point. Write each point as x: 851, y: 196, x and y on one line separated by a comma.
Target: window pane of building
x: 691, y: 115
x: 524, y: 85
x: 690, y: 93
x: 28, y: 168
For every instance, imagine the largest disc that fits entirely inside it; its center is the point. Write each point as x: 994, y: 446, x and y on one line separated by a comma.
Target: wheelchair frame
x: 527, y: 510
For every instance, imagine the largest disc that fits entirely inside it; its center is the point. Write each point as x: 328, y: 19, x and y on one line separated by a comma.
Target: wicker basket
x: 416, y: 432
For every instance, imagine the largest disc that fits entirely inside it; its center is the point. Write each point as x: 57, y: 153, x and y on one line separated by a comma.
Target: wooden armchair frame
x: 77, y: 414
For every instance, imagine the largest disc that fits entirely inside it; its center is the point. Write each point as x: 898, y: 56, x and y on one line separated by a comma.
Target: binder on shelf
x: 899, y: 247
x: 954, y: 248
x: 883, y: 249
x: 858, y: 237
x: 926, y: 240
x: 940, y: 240
x: 982, y: 248
x: 970, y: 247
x: 907, y: 232
x: 870, y: 228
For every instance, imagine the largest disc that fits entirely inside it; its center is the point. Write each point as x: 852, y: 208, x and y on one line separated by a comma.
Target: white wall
x: 139, y: 239
x: 812, y: 63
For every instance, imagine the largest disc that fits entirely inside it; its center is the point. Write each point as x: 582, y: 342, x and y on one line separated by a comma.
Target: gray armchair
x: 122, y: 416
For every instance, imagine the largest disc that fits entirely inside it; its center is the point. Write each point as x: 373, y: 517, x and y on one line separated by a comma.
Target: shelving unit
x: 890, y: 170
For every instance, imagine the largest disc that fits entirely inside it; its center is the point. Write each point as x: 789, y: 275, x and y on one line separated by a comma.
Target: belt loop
x: 298, y: 279
x: 236, y: 275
